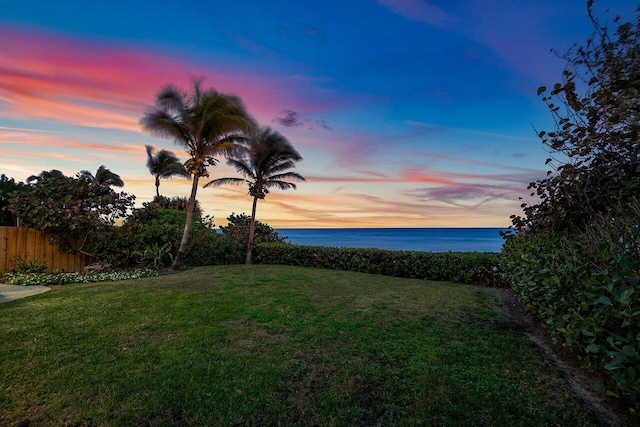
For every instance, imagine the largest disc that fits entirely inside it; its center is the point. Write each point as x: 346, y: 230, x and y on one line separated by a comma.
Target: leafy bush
x: 176, y: 203
x: 69, y: 208
x: 36, y: 265
x: 146, y: 228
x: 208, y: 247
x: 585, y: 287
x: 156, y: 256
x: 466, y: 267
x: 48, y: 279
x: 238, y: 230
x: 7, y: 187
x: 575, y: 260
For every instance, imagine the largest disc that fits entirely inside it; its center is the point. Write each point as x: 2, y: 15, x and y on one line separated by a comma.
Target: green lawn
x: 273, y: 345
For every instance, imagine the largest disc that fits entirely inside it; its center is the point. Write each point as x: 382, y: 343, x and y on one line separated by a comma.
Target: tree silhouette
x: 163, y: 164
x: 267, y: 165
x: 103, y: 176
x: 206, y: 124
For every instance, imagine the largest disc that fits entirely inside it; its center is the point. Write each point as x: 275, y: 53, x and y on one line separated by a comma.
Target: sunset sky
x: 408, y: 113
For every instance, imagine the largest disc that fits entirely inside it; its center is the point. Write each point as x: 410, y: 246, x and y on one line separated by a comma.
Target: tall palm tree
x: 103, y: 176
x: 206, y: 124
x: 163, y: 164
x: 267, y: 165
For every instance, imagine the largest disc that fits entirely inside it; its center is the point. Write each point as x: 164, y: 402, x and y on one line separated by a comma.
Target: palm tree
x: 53, y: 173
x: 163, y: 164
x: 206, y: 124
x: 103, y: 176
x: 269, y: 158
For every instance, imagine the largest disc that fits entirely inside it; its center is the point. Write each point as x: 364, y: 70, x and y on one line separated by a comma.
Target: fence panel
x: 31, y: 244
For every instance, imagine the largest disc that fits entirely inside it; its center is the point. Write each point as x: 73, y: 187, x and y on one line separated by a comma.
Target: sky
x: 407, y: 113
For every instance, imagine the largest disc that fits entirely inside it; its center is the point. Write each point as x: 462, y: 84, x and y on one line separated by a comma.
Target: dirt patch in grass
x: 607, y: 412
x: 249, y: 337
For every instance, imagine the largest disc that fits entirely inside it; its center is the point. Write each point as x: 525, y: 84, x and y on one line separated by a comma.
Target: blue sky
x: 408, y: 113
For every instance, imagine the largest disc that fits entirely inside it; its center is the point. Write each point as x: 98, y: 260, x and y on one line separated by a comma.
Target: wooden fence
x: 31, y: 245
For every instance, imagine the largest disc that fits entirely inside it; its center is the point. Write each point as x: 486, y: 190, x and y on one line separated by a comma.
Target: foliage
x: 282, y: 346
x: 208, y: 247
x: 597, y: 133
x: 585, y: 287
x: 207, y: 124
x: 575, y: 258
x: 69, y: 208
x: 237, y: 229
x: 152, y: 227
x: 35, y: 265
x: 49, y: 279
x: 176, y: 203
x: 7, y: 187
x: 145, y: 227
x: 155, y: 255
x: 268, y: 160
x: 163, y: 164
x: 103, y: 176
x: 479, y: 268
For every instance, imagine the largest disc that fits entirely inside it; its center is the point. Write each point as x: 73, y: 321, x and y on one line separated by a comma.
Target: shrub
x: 208, y: 247
x: 36, y: 265
x: 465, y: 267
x: 156, y: 256
x: 585, y: 287
x: 47, y: 279
x: 149, y: 237
x: 238, y: 230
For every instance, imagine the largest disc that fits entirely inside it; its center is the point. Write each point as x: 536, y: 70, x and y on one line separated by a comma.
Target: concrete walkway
x: 11, y: 292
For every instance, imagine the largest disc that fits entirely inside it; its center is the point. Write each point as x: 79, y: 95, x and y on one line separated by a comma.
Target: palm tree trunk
x: 252, y: 228
x: 157, y: 186
x: 187, y: 225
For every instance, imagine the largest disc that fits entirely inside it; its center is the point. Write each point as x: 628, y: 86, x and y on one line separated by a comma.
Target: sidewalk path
x: 10, y: 292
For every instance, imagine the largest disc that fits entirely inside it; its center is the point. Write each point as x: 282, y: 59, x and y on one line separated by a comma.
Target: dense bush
x: 585, y: 287
x: 208, y: 247
x: 125, y: 245
x: 575, y: 257
x: 7, y: 187
x: 69, y: 208
x: 465, y: 267
x: 237, y: 228
x: 149, y: 231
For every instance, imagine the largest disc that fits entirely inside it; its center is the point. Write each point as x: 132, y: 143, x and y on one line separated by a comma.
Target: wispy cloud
x: 438, y: 177
x: 107, y: 85
x: 26, y: 141
x: 418, y: 10
x: 293, y: 119
x: 469, y: 195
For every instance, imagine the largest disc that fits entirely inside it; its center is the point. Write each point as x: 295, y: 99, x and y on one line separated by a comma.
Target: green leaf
x: 629, y: 351
x: 592, y: 348
x: 603, y: 300
x: 631, y: 373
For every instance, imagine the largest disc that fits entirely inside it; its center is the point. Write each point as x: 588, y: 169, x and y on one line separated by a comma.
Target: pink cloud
x: 107, y: 85
x: 417, y: 10
x: 25, y: 139
x: 452, y: 178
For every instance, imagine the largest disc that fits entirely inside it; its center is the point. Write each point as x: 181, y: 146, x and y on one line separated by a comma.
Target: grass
x: 273, y: 345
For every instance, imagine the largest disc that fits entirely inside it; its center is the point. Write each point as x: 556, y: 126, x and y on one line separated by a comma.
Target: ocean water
x: 407, y: 239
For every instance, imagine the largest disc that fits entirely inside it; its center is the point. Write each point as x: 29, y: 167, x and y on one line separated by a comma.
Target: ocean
x: 407, y: 239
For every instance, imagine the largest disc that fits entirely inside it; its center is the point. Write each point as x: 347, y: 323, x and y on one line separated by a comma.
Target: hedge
x: 480, y: 268
x: 585, y: 290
